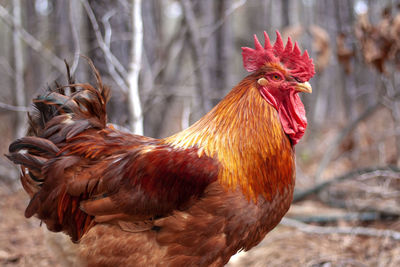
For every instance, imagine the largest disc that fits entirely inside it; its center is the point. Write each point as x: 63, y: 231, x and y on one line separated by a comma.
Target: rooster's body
x: 192, y: 199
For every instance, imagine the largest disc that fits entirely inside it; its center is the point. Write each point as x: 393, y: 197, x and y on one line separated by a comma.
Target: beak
x: 304, y: 87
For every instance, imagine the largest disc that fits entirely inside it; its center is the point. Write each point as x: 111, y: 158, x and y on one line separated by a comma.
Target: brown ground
x: 289, y: 247
x: 24, y: 243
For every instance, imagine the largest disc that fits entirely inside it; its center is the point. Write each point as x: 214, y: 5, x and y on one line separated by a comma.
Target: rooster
x: 191, y: 199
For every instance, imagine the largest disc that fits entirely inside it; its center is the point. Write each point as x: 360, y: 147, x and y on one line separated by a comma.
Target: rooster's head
x: 281, y: 72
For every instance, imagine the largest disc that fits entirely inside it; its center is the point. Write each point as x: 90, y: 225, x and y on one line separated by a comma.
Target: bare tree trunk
x: 224, y: 45
x: 153, y: 69
x: 82, y: 29
x: 198, y: 57
x: 320, y: 102
x: 389, y: 86
x: 168, y: 111
x: 342, y: 76
x: 206, y: 13
x: 62, y: 41
x: 285, y: 13
x: 135, y: 110
x: 34, y: 25
x: 19, y: 91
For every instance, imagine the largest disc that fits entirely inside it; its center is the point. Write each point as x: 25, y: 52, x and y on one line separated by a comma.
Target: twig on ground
x: 32, y: 41
x: 326, y: 230
x: 348, y: 216
x: 349, y: 175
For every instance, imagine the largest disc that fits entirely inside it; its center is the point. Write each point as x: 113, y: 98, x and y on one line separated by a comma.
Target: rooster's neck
x: 244, y: 134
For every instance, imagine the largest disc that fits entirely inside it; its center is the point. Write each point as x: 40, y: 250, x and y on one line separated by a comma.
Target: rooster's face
x: 280, y: 89
x: 282, y: 72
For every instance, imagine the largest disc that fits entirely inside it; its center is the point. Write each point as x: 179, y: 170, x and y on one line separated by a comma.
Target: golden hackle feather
x: 236, y: 134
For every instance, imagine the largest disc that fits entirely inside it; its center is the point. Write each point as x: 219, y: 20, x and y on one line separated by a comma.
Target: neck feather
x: 244, y: 134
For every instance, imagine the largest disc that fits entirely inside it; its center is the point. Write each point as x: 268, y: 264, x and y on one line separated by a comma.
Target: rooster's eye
x: 276, y: 77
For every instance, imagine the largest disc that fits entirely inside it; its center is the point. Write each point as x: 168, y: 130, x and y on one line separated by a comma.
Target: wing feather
x: 79, y: 171
x: 106, y: 174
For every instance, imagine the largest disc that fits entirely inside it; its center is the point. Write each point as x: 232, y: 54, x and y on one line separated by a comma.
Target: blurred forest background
x: 168, y: 62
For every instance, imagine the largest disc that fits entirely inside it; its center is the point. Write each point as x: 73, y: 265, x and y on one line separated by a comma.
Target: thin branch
x: 6, y: 66
x: 349, y: 175
x: 32, y: 41
x: 173, y: 51
x: 14, y: 108
x: 107, y: 26
x: 180, y: 91
x: 221, y: 21
x: 365, y: 204
x: 327, y: 230
x: 125, y: 4
x: 186, y: 110
x: 334, y: 218
x: 107, y: 40
x: 117, y: 70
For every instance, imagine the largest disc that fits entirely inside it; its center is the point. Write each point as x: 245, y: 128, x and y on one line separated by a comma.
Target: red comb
x: 299, y: 66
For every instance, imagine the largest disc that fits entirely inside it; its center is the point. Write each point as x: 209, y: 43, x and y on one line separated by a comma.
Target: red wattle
x: 291, y: 112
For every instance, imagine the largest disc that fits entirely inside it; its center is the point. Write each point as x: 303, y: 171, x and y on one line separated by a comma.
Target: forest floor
x: 24, y: 243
